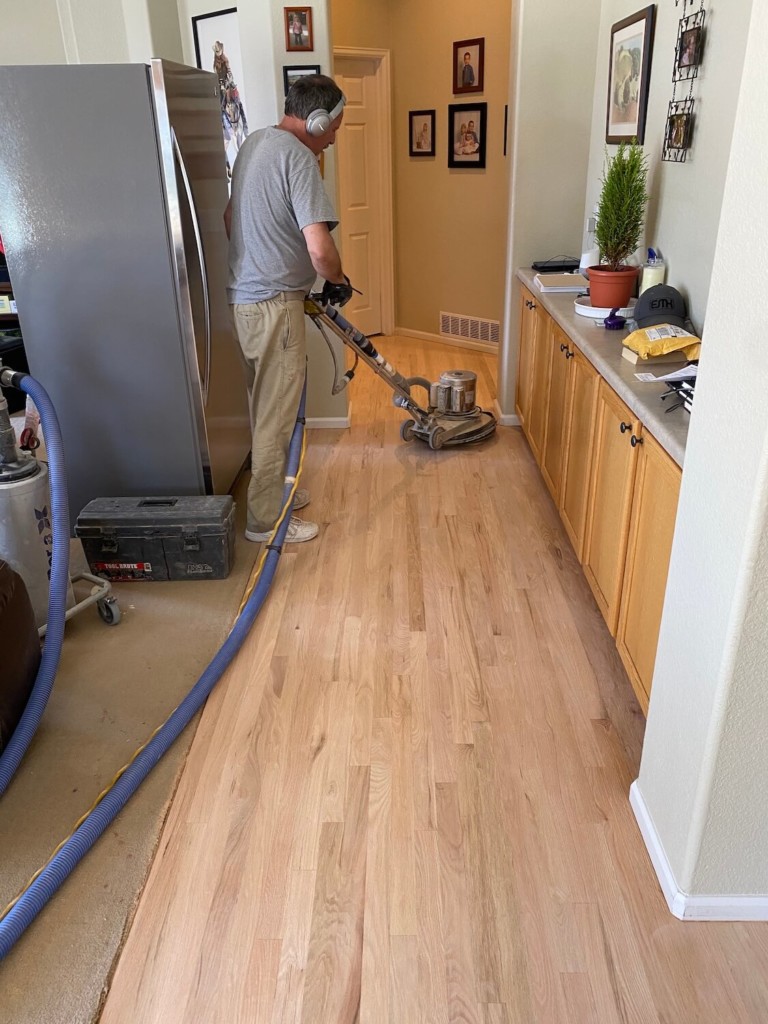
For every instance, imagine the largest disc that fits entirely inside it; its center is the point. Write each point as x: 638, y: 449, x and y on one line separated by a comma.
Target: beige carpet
x: 114, y: 686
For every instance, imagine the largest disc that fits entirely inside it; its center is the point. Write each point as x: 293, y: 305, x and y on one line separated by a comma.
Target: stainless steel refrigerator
x: 112, y: 189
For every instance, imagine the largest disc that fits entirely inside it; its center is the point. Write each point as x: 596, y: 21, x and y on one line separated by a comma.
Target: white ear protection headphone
x: 320, y: 121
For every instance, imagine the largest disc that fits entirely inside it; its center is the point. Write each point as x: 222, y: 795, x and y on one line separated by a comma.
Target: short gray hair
x: 311, y: 92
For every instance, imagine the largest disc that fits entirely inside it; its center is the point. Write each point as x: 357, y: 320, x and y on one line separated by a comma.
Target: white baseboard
x: 477, y: 346
x: 505, y: 419
x: 681, y: 904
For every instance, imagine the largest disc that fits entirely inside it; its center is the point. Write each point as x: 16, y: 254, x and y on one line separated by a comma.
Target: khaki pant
x: 273, y: 342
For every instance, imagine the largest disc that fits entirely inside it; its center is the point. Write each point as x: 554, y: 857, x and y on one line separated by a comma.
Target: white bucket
x: 26, y: 537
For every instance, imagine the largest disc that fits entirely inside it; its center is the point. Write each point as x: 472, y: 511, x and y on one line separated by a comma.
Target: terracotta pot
x: 609, y: 289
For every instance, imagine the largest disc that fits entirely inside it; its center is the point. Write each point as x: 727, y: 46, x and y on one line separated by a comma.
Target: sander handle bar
x: 326, y: 314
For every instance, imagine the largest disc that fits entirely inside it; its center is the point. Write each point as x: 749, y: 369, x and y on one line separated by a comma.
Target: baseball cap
x: 660, y: 304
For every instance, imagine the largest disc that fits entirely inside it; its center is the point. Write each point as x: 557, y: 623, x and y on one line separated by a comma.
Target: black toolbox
x: 182, y: 538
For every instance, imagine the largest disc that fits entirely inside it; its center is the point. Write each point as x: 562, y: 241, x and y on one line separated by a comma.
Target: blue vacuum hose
x: 51, y: 877
x: 59, y: 579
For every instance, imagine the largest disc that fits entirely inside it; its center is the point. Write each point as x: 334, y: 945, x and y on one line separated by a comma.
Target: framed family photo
x: 468, y: 65
x: 689, y: 52
x: 679, y: 130
x: 292, y: 72
x: 629, y: 76
x: 421, y: 132
x: 466, y: 134
x: 298, y: 29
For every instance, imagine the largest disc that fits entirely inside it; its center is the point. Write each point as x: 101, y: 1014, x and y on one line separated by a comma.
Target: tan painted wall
x: 450, y: 224
x: 361, y: 24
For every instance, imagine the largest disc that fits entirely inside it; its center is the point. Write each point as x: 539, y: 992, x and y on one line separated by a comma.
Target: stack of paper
x: 561, y: 282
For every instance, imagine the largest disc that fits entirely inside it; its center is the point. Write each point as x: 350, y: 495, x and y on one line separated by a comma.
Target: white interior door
x: 364, y: 181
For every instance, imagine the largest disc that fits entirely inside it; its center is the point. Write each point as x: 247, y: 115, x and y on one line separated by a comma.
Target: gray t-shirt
x: 277, y: 191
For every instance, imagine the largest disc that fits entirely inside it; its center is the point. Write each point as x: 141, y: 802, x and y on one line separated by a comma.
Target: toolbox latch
x: 191, y: 540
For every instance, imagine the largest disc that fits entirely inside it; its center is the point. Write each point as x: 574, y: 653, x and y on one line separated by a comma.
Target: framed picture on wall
x: 466, y: 134
x: 298, y: 28
x: 217, y: 49
x: 468, y: 65
x: 421, y: 132
x: 291, y: 73
x: 689, y: 54
x: 679, y: 131
x: 629, y: 76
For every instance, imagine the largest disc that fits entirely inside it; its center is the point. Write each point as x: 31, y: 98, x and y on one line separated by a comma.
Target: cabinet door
x: 563, y: 353
x: 542, y: 367
x: 528, y: 323
x: 652, y: 524
x: 578, y: 436
x: 609, y: 501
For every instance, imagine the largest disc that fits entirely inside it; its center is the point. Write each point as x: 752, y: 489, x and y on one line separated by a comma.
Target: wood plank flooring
x: 407, y: 801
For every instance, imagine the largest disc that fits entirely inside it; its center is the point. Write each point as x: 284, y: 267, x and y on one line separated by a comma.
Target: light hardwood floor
x: 406, y: 802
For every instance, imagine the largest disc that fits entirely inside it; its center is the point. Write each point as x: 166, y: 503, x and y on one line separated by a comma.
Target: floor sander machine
x: 451, y: 416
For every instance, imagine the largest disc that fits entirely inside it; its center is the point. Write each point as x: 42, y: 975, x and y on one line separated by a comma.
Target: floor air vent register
x: 469, y: 328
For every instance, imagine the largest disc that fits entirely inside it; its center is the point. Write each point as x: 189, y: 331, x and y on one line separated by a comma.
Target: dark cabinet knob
x: 624, y: 427
x: 563, y: 347
x: 569, y: 354
x: 635, y: 441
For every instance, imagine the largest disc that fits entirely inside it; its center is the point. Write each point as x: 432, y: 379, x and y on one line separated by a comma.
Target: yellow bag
x: 662, y: 339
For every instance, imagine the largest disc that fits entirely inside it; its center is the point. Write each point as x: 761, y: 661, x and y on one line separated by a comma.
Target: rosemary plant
x: 621, y: 208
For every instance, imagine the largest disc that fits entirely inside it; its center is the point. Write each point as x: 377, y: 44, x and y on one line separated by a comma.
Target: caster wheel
x: 406, y: 430
x: 109, y: 610
x: 436, y: 439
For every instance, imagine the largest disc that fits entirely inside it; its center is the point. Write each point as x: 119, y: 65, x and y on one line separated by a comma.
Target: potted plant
x: 618, y: 226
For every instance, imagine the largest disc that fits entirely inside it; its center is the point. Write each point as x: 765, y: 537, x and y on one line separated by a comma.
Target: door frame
x: 385, y: 218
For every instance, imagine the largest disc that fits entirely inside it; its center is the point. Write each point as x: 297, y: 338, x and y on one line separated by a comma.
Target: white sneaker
x: 301, y: 499
x: 298, y: 531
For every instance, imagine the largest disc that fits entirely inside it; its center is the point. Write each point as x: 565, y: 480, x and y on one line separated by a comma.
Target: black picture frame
x: 690, y: 47
x: 678, y: 132
x: 464, y: 70
x: 465, y: 119
x: 293, y: 71
x: 421, y: 132
x: 629, y: 72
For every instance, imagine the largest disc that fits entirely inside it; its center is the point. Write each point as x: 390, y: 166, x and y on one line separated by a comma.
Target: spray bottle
x: 654, y: 271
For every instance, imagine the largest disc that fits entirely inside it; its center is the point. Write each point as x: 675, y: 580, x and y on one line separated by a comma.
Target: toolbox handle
x: 157, y: 502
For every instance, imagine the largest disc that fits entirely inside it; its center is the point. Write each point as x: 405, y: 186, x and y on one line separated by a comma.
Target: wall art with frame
x: 298, y: 29
x: 421, y: 132
x: 466, y: 134
x: 468, y: 65
x: 629, y: 76
x: 292, y: 72
x: 217, y: 49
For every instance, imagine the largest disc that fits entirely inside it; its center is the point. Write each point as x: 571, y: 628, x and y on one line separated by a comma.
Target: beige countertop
x: 603, y: 349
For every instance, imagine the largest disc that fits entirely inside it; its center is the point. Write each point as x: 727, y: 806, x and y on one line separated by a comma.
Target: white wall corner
x: 505, y: 419
x: 681, y: 904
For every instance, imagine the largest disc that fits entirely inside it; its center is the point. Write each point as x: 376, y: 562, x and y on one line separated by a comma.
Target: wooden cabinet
x: 530, y: 316
x: 552, y: 455
x: 578, y: 435
x: 614, y: 485
x: 652, y: 524
x: 610, y: 500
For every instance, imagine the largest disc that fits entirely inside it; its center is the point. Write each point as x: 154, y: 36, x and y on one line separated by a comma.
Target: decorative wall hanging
x: 217, y: 49
x: 466, y: 134
x: 689, y: 48
x: 298, y: 28
x: 421, y: 132
x: 294, y: 71
x: 468, y: 65
x: 629, y: 76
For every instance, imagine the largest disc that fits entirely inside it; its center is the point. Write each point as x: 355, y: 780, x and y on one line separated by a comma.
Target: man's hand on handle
x: 337, y: 294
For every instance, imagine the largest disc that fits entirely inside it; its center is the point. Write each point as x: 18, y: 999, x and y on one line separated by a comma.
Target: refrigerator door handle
x: 206, y: 375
